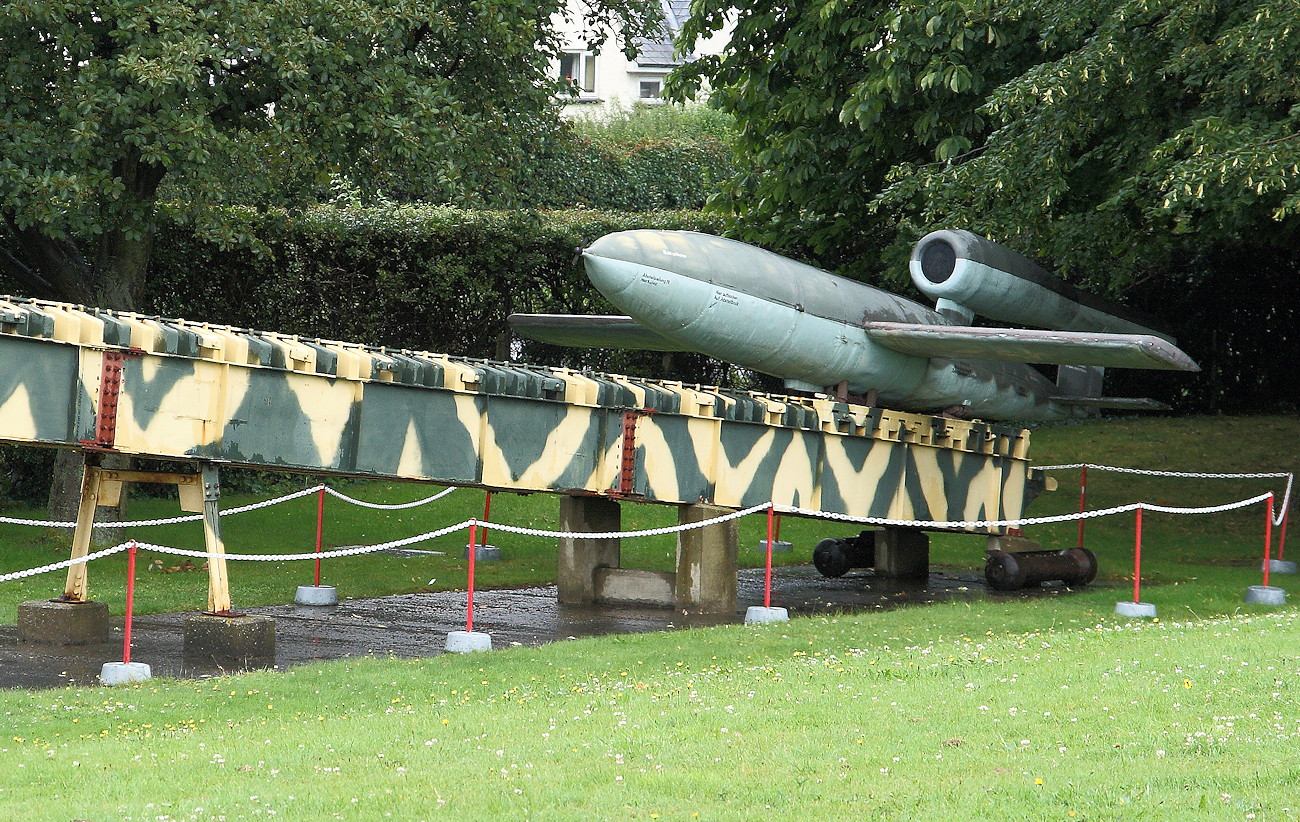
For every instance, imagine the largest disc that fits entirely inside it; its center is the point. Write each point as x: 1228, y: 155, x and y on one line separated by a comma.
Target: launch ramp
x: 112, y: 382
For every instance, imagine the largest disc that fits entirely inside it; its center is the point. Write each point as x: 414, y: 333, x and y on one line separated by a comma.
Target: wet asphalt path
x: 416, y: 625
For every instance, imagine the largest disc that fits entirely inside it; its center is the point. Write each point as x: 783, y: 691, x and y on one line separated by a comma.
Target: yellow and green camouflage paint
x: 93, y: 379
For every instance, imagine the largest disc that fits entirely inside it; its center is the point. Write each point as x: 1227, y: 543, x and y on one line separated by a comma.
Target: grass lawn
x: 1038, y: 709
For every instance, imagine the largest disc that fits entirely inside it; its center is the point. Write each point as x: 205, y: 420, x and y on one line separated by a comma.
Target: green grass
x: 975, y: 710
x: 1008, y: 708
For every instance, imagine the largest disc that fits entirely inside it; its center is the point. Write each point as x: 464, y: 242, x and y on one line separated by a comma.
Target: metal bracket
x: 627, y: 467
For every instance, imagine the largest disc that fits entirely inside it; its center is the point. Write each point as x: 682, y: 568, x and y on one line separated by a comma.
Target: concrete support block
x: 124, y: 673
x: 759, y: 615
x: 778, y: 547
x: 316, y: 595
x: 902, y: 553
x: 1135, y: 609
x: 467, y: 642
x: 579, y: 558
x: 630, y: 586
x: 1265, y: 595
x: 706, y: 562
x: 238, y: 642
x: 58, y: 622
x: 1279, y: 566
x: 483, y: 553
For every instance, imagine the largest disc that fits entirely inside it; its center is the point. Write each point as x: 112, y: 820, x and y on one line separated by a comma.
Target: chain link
x: 67, y: 563
x: 394, y: 507
x: 785, y: 509
x: 1278, y: 515
x: 148, y: 523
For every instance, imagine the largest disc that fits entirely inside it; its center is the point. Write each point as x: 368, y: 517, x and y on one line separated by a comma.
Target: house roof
x: 658, y: 53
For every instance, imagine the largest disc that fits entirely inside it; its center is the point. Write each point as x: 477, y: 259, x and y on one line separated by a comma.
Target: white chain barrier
x: 67, y: 563
x: 379, y: 505
x: 1278, y: 515
x: 146, y: 523
x: 539, y: 532
x: 1016, y: 523
x: 648, y: 532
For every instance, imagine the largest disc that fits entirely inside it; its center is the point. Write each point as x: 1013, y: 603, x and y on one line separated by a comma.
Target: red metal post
x: 320, y: 527
x: 469, y: 601
x: 1268, y: 538
x: 1083, y: 495
x: 130, y: 603
x: 767, y: 580
x: 1281, y: 537
x: 1137, y: 559
x: 487, y: 513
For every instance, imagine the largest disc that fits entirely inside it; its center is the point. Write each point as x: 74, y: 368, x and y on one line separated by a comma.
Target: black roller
x: 1010, y: 571
x: 836, y: 557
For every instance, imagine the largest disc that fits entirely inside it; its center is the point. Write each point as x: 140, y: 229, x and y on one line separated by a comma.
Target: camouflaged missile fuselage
x: 111, y: 381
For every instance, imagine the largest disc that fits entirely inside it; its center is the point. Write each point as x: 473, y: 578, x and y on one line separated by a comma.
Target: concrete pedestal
x: 778, y: 547
x: 236, y: 642
x: 56, y: 622
x: 579, y: 558
x: 632, y: 586
x: 124, y: 673
x: 1280, y: 566
x: 588, y: 569
x: 706, y: 562
x: 1265, y: 595
x: 902, y: 553
x: 483, y: 553
x: 316, y: 595
x: 467, y: 642
x: 758, y: 615
x: 1135, y: 609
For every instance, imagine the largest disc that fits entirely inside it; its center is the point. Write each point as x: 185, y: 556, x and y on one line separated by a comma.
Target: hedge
x: 419, y: 277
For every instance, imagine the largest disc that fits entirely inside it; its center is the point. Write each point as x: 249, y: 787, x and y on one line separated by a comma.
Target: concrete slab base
x: 124, y: 673
x: 467, y: 642
x: 483, y: 553
x: 1265, y: 595
x: 316, y: 595
x: 758, y: 615
x: 1135, y: 609
x: 634, y: 586
x: 237, y: 642
x: 56, y: 622
x: 778, y: 547
x: 1280, y: 566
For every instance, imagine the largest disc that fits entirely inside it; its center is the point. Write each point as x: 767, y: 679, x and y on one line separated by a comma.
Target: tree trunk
x: 116, y: 280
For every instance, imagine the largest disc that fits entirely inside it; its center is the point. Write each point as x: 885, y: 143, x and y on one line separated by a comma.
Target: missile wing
x: 765, y: 312
x: 586, y: 331
x: 1033, y: 345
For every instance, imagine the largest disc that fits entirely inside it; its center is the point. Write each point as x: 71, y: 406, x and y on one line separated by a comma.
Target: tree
x: 100, y: 101
x: 1113, y: 139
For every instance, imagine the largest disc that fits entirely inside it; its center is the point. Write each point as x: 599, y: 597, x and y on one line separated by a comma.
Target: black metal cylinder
x: 1009, y: 571
x: 836, y: 557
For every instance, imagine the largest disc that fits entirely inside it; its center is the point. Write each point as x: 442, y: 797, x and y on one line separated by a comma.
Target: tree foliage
x: 100, y: 100
x: 1115, y: 139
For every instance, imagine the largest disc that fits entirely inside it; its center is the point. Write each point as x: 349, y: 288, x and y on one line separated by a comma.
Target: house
x: 606, y: 78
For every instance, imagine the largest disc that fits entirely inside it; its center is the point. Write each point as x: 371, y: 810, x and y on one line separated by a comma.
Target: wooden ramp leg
x: 77, y: 589
x: 218, y: 581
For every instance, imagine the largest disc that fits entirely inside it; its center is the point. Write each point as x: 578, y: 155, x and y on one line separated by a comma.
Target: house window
x: 579, y: 68
x: 651, y: 89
